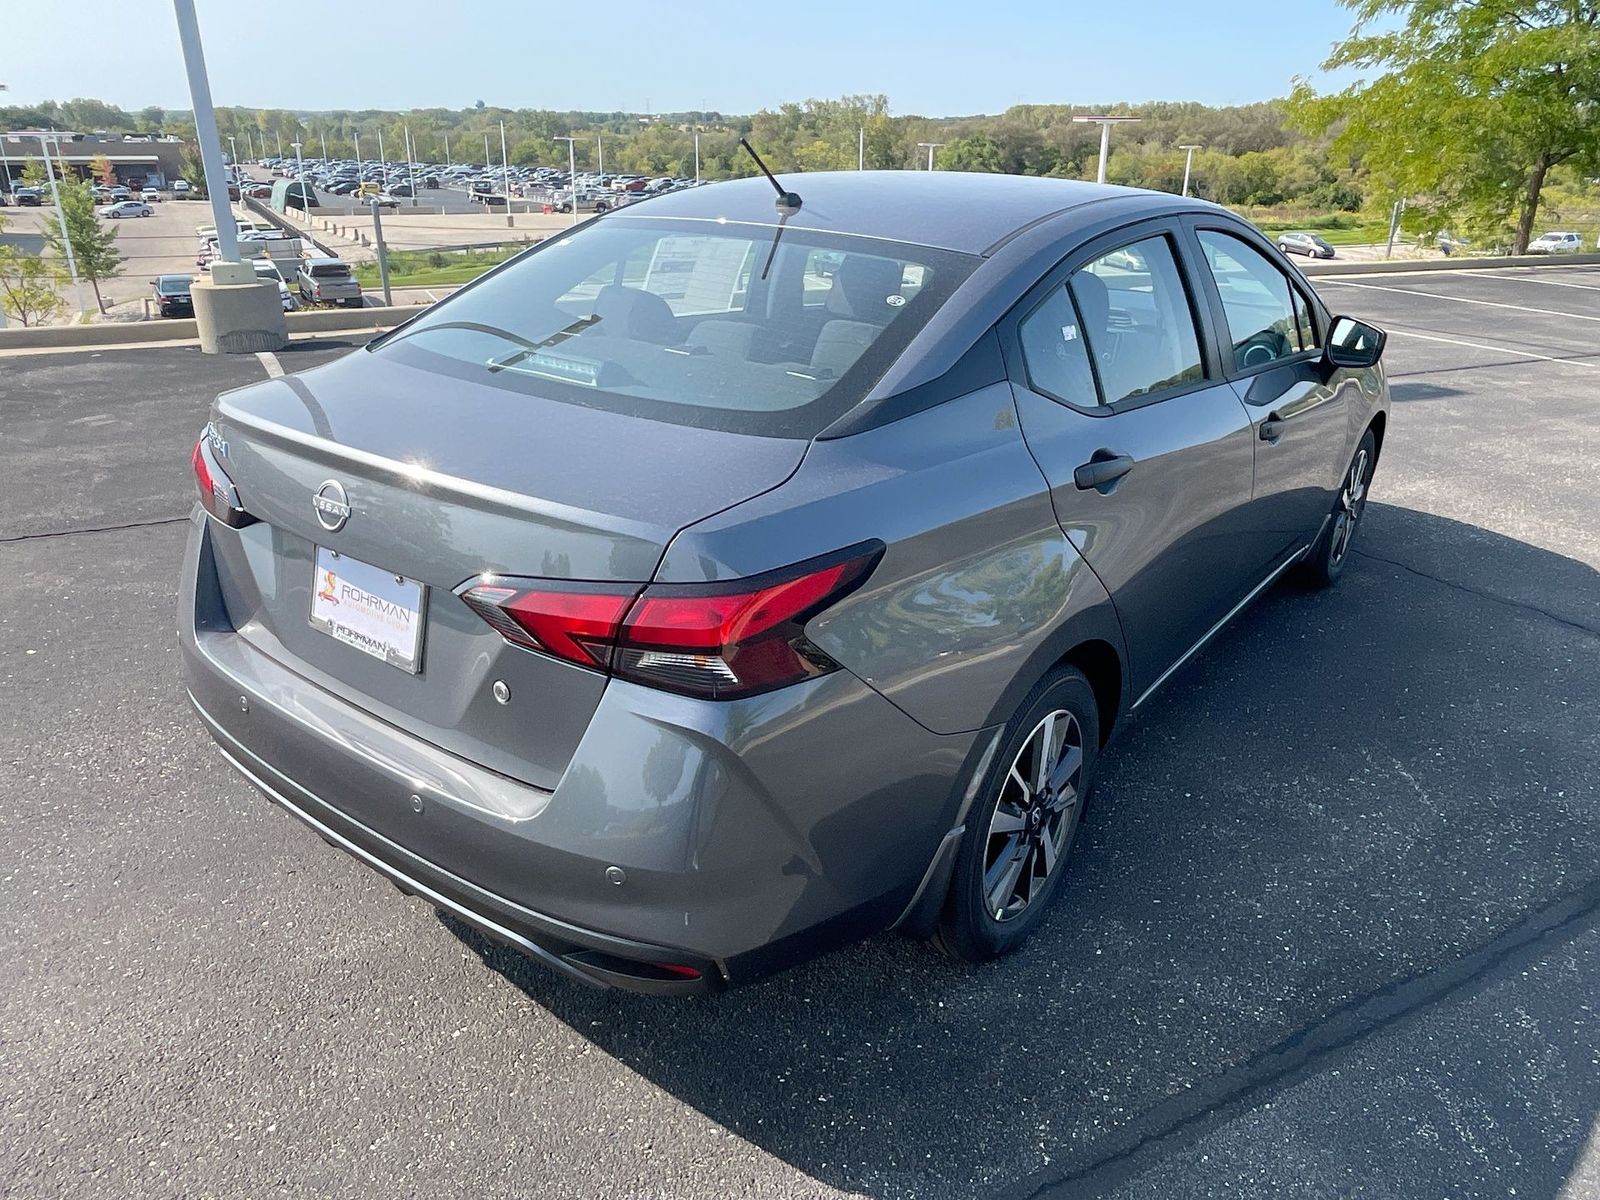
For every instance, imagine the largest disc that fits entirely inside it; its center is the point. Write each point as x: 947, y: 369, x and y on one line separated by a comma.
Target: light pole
x: 447, y: 162
x: 205, y: 130
x: 279, y: 136
x: 1105, y: 124
x: 356, y: 137
x: 488, y: 163
x: 324, y: 137
x: 505, y: 171
x: 861, y: 148
x: 1188, y: 164
x: 410, y: 157
x: 61, y: 215
x: 300, y: 174
x: 572, y: 172
x: 697, y: 158
x: 600, y: 151
x: 930, y: 147
x: 383, y: 163
x: 233, y: 154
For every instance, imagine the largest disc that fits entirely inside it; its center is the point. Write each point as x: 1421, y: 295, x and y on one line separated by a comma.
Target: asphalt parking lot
x: 1335, y: 927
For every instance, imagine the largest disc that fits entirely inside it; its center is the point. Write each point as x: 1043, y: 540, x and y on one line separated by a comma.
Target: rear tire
x: 1326, y: 560
x: 1021, y: 829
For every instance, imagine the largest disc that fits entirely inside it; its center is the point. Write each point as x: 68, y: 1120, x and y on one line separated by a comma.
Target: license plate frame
x: 382, y: 610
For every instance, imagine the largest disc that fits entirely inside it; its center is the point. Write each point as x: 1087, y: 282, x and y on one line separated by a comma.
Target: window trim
x: 1231, y: 371
x: 1081, y: 256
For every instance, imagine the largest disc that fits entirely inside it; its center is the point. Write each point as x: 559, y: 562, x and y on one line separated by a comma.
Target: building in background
x: 139, y: 159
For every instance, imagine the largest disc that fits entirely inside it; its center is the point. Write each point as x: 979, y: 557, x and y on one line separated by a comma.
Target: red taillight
x: 717, y: 641
x: 218, y: 496
x: 579, y: 626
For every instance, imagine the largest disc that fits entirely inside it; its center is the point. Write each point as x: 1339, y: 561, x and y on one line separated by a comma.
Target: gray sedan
x: 725, y: 579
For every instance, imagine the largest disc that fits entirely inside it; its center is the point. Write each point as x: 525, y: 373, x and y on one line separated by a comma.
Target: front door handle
x: 1102, y: 470
x: 1272, y: 428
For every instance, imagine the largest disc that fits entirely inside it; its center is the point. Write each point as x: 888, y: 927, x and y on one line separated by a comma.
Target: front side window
x: 1255, y: 298
x: 1137, y: 321
x: 740, y: 327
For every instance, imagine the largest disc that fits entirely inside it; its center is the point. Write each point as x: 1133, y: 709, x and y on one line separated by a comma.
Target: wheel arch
x: 1100, y: 663
x: 1377, y: 425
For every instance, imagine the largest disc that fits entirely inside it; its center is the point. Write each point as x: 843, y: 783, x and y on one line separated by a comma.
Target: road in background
x: 1331, y: 927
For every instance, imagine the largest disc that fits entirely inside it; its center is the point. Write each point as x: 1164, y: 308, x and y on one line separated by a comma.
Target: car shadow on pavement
x: 1349, y: 790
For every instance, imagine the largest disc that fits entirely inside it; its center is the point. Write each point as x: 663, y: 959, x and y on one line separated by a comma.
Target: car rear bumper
x: 730, y: 839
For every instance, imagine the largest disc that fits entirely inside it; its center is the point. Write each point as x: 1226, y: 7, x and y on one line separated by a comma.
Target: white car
x: 150, y: 196
x: 267, y: 271
x: 1556, y: 243
x: 127, y: 208
x: 180, y: 187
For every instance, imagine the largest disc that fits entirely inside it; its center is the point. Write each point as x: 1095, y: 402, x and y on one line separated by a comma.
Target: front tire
x: 1326, y: 560
x: 1021, y: 830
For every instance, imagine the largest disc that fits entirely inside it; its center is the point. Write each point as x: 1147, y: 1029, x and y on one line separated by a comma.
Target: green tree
x: 1475, y: 105
x: 980, y: 152
x: 194, y: 171
x: 28, y: 288
x: 94, y: 243
x: 34, y: 175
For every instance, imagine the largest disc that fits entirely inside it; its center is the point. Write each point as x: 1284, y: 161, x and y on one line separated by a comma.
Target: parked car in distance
x: 1310, y: 244
x: 180, y: 189
x: 28, y: 197
x: 469, y: 603
x: 126, y: 208
x: 172, y: 295
x: 328, y: 281
x: 267, y: 271
x: 490, y: 199
x: 150, y: 195
x: 1556, y: 243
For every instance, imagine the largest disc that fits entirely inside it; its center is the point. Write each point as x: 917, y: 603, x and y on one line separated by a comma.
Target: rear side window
x: 1054, y: 351
x: 1137, y: 321
x: 746, y: 328
x: 1256, y: 298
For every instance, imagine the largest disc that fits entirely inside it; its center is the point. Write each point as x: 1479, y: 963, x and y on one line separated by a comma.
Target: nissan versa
x: 733, y: 576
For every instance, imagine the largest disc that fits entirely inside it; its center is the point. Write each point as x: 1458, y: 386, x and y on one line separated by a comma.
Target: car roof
x: 968, y: 212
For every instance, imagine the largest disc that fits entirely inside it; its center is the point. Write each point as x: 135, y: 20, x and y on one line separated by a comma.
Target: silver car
x: 720, y: 581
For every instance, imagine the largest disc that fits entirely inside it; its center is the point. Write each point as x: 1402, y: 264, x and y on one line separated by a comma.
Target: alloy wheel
x: 1034, y: 817
x: 1352, y: 499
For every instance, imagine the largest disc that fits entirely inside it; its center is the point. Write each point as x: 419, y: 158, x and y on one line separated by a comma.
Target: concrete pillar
x: 235, y: 313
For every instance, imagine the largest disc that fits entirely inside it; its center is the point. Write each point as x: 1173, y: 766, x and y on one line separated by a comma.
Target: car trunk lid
x: 446, y: 481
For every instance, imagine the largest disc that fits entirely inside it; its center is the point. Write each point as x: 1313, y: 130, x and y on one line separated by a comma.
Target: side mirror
x: 1353, y: 343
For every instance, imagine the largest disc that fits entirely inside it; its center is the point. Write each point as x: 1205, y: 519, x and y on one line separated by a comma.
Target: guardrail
x: 182, y: 329
x: 1398, y: 266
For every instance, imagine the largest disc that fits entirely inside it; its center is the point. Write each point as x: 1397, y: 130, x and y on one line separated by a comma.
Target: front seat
x: 627, y: 312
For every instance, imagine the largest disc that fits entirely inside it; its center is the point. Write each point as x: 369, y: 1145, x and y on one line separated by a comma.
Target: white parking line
x: 1533, y: 277
x: 1374, y: 287
x: 1428, y: 337
x: 270, y: 362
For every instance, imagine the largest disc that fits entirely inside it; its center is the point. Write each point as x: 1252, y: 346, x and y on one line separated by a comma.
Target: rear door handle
x: 1104, y: 468
x: 1272, y: 428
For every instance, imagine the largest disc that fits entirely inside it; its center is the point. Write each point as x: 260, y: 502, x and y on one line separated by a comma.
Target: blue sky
x: 936, y: 58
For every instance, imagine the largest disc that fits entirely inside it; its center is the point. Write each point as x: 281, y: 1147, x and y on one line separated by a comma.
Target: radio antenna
x: 787, y: 201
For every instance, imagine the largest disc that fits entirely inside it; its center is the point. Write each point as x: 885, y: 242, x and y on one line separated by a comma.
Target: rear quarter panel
x: 979, y: 591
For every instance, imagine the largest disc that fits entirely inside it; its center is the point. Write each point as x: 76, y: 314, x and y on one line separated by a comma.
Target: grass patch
x: 434, y: 268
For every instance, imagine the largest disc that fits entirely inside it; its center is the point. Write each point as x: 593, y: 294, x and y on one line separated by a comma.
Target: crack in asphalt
x: 1486, y: 595
x: 1180, y: 1120
x: 62, y: 533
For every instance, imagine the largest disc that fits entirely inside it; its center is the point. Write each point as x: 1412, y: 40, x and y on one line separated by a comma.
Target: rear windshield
x: 172, y: 287
x: 335, y: 271
x: 746, y: 328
